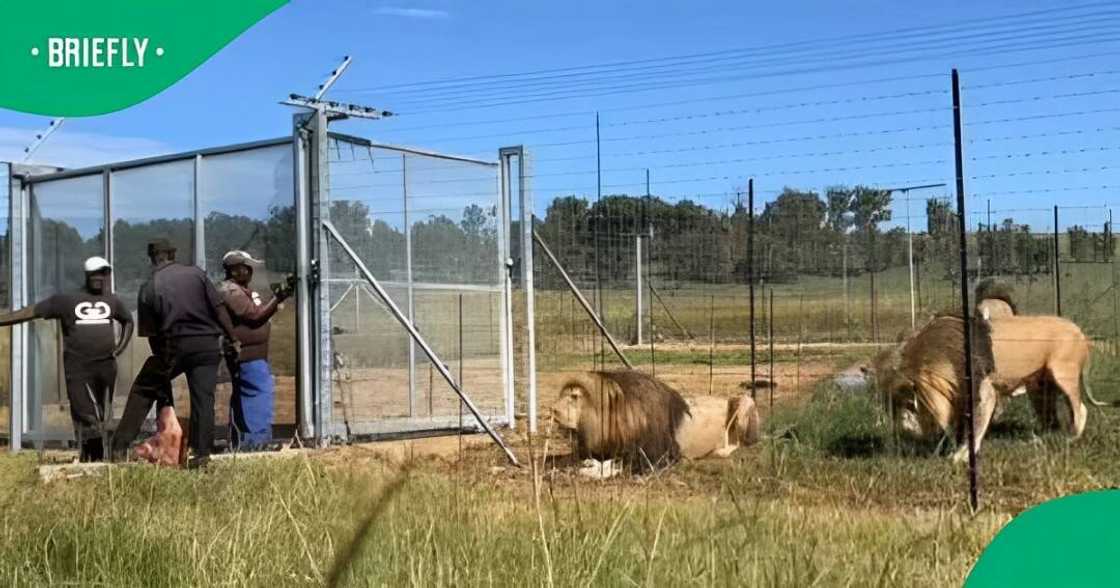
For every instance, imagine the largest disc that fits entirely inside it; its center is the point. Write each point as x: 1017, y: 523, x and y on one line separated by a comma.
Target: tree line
x: 798, y: 233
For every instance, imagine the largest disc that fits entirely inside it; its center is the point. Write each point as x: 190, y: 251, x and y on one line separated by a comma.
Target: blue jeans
x: 251, y: 405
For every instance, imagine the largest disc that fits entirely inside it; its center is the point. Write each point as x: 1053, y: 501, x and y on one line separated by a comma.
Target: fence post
x: 973, y: 492
x: 1057, y: 268
x: 750, y: 273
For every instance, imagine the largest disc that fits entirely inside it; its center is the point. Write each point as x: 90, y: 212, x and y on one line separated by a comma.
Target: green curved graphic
x: 1069, y: 541
x: 87, y: 57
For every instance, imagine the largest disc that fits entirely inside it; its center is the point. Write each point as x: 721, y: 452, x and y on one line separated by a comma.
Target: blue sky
x: 709, y: 138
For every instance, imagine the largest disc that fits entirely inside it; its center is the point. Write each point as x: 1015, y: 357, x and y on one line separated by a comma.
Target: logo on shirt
x: 92, y: 313
x: 256, y: 299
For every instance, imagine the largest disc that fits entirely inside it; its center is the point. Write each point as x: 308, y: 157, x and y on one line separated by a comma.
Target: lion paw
x: 960, y: 455
x: 599, y: 470
x: 725, y: 451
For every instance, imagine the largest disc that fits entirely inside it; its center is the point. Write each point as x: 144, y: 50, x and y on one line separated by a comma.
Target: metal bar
x: 910, y: 261
x: 525, y: 204
x: 107, y: 210
x: 320, y: 209
x: 750, y: 276
x: 128, y: 164
x: 669, y: 312
x: 415, y: 335
x: 973, y: 491
x: 17, y: 234
x: 582, y: 301
x: 596, y: 228
x: 421, y: 285
x: 342, y: 298
x: 638, y: 289
x: 413, y: 150
x: 505, y: 310
x: 1057, y: 268
x: 333, y: 77
x: 199, y: 240
x: 304, y: 365
x: 412, y: 409
x: 413, y: 427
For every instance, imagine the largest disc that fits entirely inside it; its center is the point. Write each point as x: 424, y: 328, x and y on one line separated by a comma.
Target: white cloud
x: 424, y: 13
x: 71, y: 149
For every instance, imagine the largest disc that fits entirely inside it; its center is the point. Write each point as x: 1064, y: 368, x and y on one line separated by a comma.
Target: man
x: 90, y: 349
x: 184, y: 318
x: 251, y: 404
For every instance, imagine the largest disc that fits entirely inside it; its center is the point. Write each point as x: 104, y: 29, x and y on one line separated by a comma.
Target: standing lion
x: 994, y: 299
x: 628, y: 420
x: 923, y: 379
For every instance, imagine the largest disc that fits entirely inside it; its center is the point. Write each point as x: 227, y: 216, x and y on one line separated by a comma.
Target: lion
x: 627, y: 420
x: 1041, y: 354
x: 994, y: 300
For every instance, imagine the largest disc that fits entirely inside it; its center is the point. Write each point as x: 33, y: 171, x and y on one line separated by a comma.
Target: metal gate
x: 432, y: 230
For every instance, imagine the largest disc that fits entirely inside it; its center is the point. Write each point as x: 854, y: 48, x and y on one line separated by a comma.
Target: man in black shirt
x: 184, y: 318
x: 90, y: 348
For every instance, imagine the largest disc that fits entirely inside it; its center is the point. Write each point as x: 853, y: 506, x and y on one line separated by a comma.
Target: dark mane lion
x: 623, y: 415
x: 993, y: 289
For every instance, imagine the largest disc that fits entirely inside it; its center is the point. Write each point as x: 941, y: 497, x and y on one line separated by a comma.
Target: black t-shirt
x: 87, y: 323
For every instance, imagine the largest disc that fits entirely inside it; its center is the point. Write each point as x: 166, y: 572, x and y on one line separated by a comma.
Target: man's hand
x: 285, y: 289
x: 231, y: 350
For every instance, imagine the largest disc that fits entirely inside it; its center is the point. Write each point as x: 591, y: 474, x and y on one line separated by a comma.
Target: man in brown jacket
x: 251, y: 405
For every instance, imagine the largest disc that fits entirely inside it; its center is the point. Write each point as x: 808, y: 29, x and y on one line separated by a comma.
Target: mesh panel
x: 427, y: 229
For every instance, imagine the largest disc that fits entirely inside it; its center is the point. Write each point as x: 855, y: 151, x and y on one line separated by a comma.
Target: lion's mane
x: 630, y: 416
x: 993, y: 289
x: 932, y: 362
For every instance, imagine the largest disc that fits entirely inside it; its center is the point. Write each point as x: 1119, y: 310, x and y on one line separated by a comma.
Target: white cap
x: 238, y: 257
x: 96, y: 264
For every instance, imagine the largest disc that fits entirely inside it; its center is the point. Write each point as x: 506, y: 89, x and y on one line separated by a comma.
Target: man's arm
x: 218, y: 307
x: 242, y: 307
x: 125, y: 319
x: 46, y: 309
x: 22, y: 315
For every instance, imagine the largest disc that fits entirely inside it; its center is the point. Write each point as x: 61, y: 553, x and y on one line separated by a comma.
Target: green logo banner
x: 90, y: 57
x: 1069, y: 541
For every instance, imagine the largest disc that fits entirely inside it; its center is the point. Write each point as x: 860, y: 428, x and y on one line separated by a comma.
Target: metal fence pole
x: 973, y: 491
x: 1057, y: 268
x: 412, y: 408
x: 750, y: 275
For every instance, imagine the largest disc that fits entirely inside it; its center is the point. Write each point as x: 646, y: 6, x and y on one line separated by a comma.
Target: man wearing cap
x: 184, y: 318
x: 90, y: 349
x: 251, y: 404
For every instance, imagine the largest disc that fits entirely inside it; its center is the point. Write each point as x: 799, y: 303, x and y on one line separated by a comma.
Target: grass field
x: 827, y: 499
x: 832, y: 502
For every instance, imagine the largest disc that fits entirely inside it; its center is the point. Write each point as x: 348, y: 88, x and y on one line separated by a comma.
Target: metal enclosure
x: 434, y: 229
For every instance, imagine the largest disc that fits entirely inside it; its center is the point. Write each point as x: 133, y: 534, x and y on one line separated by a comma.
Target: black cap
x: 160, y: 245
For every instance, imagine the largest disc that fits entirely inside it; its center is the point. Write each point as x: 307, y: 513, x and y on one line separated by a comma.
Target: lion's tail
x: 744, y: 423
x: 1087, y: 390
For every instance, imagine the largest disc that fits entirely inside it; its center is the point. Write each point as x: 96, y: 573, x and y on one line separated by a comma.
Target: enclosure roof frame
x: 146, y: 161
x: 413, y: 150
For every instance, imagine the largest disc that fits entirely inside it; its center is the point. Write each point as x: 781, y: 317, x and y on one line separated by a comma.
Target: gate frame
x: 312, y: 137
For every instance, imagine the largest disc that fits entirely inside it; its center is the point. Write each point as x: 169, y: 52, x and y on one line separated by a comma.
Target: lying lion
x: 628, y: 420
x: 1043, y: 355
